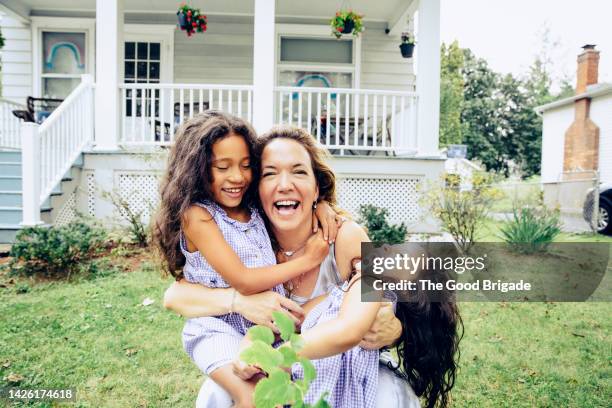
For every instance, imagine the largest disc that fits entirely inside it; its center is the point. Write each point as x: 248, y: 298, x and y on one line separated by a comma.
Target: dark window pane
x: 316, y: 50
x: 129, y: 50
x: 154, y: 51
x: 142, y: 70
x: 128, y: 107
x: 129, y: 70
x: 143, y: 50
x: 154, y: 70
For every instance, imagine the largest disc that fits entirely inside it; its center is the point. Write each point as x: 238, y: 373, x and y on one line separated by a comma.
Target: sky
x: 509, y: 34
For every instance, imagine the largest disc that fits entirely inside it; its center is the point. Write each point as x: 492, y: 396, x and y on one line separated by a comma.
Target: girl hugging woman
x: 208, y: 226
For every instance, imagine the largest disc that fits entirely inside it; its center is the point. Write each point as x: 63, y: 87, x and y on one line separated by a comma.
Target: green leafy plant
x: 1, y: 40
x: 139, y: 232
x: 346, y: 22
x: 531, y: 229
x: 461, y: 211
x: 374, y: 219
x: 408, y: 39
x: 279, y: 389
x: 55, y: 251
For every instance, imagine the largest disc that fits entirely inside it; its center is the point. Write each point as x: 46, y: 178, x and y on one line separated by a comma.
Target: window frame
x: 307, y: 31
x: 61, y: 25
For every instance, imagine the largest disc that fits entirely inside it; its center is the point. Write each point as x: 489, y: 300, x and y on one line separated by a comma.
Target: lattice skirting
x: 68, y: 212
x: 141, y: 191
x: 398, y: 195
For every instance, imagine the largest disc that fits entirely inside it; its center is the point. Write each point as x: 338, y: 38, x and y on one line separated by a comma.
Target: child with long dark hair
x: 209, y: 231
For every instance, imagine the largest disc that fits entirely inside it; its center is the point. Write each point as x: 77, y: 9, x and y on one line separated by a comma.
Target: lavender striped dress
x: 213, y: 342
x: 349, y: 378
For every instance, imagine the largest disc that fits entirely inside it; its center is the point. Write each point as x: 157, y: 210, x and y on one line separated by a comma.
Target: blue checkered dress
x: 349, y: 378
x: 213, y: 342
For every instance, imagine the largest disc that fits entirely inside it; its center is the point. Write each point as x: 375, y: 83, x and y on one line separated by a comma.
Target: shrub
x: 461, y: 212
x: 139, y: 232
x: 55, y: 251
x: 379, y: 230
x: 531, y: 229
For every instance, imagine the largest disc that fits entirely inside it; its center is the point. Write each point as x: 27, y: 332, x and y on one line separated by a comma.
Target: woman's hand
x: 385, y: 330
x: 329, y: 219
x: 258, y: 308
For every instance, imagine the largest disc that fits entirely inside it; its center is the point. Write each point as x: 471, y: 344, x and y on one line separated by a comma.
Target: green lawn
x: 97, y: 336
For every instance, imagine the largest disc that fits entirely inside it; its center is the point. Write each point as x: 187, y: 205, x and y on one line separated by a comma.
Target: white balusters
x: 365, y: 120
x: 154, y: 114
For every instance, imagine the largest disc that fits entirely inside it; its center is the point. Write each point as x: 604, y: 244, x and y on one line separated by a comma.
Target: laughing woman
x: 292, y: 170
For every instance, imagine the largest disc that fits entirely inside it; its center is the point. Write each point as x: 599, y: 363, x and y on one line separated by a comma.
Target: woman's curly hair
x: 188, y: 178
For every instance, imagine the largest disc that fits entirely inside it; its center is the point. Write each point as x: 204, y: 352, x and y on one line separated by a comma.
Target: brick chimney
x: 582, y: 137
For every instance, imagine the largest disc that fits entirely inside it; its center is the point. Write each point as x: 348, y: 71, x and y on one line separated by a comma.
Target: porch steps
x: 11, y: 196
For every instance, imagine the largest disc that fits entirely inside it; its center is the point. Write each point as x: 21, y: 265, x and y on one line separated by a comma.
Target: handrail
x: 186, y: 86
x: 64, y: 135
x: 350, y: 91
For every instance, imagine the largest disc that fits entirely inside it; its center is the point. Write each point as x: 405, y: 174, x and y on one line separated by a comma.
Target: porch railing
x: 9, y: 124
x: 64, y: 135
x: 152, y: 112
x: 352, y: 119
x: 49, y: 150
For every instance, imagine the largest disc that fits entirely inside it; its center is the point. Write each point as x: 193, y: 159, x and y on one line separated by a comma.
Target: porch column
x: 263, y: 65
x: 428, y: 77
x: 109, y: 60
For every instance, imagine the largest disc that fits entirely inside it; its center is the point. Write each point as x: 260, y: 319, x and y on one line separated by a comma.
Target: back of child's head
x: 188, y: 177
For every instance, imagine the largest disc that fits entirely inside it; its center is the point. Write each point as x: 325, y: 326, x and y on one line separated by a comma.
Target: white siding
x: 16, y: 60
x: 221, y: 55
x: 555, y: 124
x: 382, y: 64
x: 601, y: 114
x: 224, y: 54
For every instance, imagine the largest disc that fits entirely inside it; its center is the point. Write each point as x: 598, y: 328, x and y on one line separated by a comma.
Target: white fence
x: 9, y: 124
x: 152, y: 112
x: 352, y: 119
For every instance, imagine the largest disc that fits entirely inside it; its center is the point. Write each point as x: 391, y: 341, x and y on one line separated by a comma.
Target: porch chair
x: 38, y: 109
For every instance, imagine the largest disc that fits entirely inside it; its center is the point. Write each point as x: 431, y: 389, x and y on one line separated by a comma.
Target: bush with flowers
x: 346, y: 22
x: 191, y: 20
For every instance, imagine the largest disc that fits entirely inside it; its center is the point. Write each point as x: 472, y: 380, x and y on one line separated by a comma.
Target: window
x: 316, y: 62
x: 142, y: 64
x: 64, y: 56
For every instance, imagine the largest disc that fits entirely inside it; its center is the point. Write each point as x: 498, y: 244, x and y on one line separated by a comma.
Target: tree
x: 451, y: 94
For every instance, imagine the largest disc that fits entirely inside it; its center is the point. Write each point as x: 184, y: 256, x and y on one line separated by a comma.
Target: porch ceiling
x: 379, y: 10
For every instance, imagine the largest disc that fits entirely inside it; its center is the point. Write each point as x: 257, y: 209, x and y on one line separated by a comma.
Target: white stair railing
x: 151, y: 113
x: 9, y: 124
x: 352, y: 119
x: 50, y: 150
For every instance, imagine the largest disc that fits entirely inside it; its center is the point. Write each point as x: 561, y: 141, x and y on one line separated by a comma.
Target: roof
x: 592, y: 91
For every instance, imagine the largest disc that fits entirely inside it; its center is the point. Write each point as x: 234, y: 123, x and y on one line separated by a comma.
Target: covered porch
x: 374, y: 103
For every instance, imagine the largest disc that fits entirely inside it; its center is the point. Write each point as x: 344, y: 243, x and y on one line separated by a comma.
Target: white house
x: 577, y: 137
x: 127, y: 76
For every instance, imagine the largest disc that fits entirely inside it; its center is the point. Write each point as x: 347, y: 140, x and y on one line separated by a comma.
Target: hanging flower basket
x: 191, y: 20
x: 407, y: 45
x: 346, y: 22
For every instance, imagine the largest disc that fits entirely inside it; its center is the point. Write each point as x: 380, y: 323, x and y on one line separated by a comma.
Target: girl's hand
x: 316, y: 249
x: 328, y: 218
x: 245, y: 371
x: 258, y: 308
x: 385, y: 330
